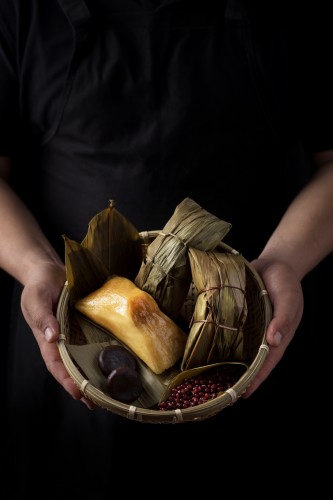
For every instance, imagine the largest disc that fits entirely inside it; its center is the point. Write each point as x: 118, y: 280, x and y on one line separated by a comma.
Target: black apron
x: 158, y: 105
x: 174, y: 105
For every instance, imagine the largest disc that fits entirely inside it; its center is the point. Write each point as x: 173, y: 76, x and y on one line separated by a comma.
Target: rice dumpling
x: 216, y: 332
x: 134, y: 318
x: 165, y: 271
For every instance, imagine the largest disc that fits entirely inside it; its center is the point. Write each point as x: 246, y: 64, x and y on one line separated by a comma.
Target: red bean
x: 201, y: 388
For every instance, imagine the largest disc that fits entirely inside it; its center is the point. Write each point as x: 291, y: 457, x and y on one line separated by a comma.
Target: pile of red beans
x: 202, y: 387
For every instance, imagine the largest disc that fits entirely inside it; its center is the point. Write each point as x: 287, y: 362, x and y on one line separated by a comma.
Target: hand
x: 286, y: 295
x: 38, y: 302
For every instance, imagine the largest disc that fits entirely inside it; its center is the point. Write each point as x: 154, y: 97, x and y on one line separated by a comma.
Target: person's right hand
x: 39, y: 301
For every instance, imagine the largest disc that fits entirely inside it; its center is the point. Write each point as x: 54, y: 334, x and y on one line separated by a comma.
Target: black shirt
x: 171, y: 99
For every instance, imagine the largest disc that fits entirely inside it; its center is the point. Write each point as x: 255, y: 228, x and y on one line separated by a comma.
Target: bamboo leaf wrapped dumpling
x: 165, y: 271
x: 216, y: 332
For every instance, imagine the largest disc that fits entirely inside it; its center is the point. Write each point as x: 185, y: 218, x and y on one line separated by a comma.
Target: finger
x: 53, y: 361
x: 272, y: 359
x: 279, y: 334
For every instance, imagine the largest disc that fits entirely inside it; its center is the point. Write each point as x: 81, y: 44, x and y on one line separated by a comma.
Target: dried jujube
x: 120, y: 367
x: 113, y: 356
x: 124, y: 384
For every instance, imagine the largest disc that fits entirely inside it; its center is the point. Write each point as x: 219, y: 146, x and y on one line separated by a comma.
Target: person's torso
x: 159, y: 103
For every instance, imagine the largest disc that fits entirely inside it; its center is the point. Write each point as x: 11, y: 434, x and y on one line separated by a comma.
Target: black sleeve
x: 9, y: 89
x: 314, y: 90
x: 36, y: 44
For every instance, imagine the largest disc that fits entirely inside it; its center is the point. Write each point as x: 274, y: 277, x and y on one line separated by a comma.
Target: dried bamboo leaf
x: 86, y: 357
x: 115, y: 241
x: 216, y: 332
x: 165, y: 271
x: 85, y: 272
x: 98, y: 337
x: 111, y: 246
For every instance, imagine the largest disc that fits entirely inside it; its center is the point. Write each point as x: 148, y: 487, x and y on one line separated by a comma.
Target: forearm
x: 304, y: 235
x: 23, y: 246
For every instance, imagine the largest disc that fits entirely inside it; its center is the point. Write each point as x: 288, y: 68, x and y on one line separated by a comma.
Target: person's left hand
x: 286, y: 295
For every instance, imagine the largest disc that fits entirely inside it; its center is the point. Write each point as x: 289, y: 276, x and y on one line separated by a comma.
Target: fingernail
x: 48, y: 334
x: 277, y: 339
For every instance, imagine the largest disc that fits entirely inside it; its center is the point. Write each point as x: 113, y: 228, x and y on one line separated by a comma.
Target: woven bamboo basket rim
x: 195, y: 413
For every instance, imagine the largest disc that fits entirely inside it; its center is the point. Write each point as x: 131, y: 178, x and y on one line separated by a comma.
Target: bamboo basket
x: 258, y: 318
